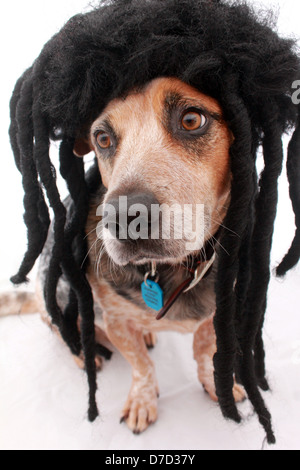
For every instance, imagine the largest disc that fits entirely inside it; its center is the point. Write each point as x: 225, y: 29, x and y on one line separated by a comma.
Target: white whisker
x: 86, y: 256
x: 93, y: 230
x: 217, y: 242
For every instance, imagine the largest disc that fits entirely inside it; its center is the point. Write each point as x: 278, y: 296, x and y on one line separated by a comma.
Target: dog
x: 166, y: 143
x: 175, y: 99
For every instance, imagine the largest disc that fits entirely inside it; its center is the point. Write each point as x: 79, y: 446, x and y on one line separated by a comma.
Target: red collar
x: 199, y: 271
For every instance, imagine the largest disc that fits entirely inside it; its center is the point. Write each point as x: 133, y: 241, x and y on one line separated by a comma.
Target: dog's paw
x: 150, y: 339
x: 209, y: 388
x: 140, y: 409
x: 79, y: 360
x: 238, y: 391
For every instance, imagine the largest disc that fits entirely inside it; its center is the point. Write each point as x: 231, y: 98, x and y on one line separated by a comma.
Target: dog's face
x: 165, y: 145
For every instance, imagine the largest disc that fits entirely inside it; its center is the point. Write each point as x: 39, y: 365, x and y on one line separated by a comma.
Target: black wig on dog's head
x: 224, y: 50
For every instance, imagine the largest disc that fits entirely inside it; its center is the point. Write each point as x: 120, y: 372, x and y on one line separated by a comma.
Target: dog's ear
x: 82, y: 147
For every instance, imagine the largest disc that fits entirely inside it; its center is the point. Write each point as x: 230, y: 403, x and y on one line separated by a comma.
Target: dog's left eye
x: 103, y: 140
x: 192, y: 121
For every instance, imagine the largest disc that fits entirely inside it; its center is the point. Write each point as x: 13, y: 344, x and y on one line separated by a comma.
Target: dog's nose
x: 131, y: 217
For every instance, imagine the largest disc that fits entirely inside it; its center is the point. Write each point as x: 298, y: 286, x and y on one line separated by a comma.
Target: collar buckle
x: 200, y: 272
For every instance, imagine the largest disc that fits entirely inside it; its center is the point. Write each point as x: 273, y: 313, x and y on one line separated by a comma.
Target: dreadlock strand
x: 47, y: 175
x: 35, y: 216
x: 13, y: 128
x: 72, y: 170
x: 244, y: 274
x: 236, y: 222
x: 48, y: 178
x: 247, y: 375
x: 273, y: 155
x: 293, y: 173
x: 81, y: 287
x: 259, y: 357
x: 266, y: 204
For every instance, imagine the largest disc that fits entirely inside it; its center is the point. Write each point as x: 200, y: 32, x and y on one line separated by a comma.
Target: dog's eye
x: 192, y: 121
x: 103, y: 140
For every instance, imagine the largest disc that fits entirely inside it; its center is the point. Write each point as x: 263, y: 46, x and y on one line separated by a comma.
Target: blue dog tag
x: 153, y: 295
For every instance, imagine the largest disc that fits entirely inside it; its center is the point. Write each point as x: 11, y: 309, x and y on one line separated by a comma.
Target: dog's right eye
x: 193, y: 121
x: 103, y: 140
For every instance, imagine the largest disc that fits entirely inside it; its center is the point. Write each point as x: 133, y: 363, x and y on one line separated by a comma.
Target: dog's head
x: 163, y: 154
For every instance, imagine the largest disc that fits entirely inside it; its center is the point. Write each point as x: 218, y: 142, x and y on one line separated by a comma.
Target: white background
x: 43, y: 396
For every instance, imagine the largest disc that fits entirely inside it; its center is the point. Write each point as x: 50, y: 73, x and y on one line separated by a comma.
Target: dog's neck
x: 198, y: 270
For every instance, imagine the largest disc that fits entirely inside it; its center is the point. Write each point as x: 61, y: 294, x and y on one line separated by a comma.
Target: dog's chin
x: 159, y: 260
x: 124, y: 257
x: 146, y: 259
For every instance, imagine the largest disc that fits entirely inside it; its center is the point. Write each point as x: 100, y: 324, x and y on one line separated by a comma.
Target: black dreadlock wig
x: 224, y: 50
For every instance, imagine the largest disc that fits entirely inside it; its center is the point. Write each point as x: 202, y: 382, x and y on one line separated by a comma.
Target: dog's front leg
x: 140, y: 409
x: 204, y: 350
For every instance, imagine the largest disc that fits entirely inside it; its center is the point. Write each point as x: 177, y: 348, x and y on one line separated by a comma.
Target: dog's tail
x: 18, y: 303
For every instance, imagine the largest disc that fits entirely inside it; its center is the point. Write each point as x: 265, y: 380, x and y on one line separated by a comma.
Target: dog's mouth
x: 171, y: 252
x: 124, y: 258
x: 144, y: 259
